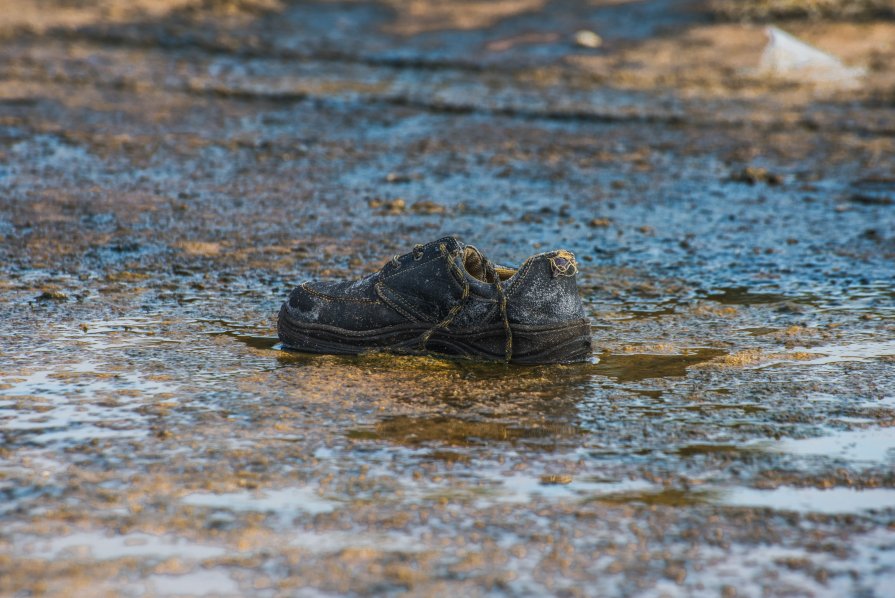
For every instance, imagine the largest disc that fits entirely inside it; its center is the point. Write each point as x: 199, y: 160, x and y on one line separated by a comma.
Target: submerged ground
x: 168, y: 170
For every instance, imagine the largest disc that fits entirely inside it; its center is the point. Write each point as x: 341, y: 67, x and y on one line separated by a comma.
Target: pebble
x: 588, y: 39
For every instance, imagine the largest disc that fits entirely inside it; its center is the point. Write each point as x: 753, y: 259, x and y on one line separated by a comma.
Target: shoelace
x: 502, y: 302
x: 417, y: 254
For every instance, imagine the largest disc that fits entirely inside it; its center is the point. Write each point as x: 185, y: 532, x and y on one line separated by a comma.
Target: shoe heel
x: 565, y: 344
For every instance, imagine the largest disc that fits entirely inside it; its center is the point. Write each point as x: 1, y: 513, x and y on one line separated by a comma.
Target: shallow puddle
x: 457, y: 432
x: 744, y: 296
x: 76, y: 403
x: 86, y: 546
x: 198, y: 583
x: 812, y: 500
x: 663, y: 497
x: 121, y: 333
x: 802, y: 500
x: 870, y: 446
x: 255, y: 342
x: 285, y: 503
x: 523, y: 489
x: 851, y: 352
x: 632, y: 367
x: 336, y: 541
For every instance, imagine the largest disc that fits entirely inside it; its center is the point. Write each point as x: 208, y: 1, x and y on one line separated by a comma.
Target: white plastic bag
x: 788, y: 57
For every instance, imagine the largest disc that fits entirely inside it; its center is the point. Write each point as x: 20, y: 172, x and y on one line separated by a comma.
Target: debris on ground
x: 388, y: 206
x: 752, y: 175
x: 787, y: 57
x: 426, y: 206
x: 588, y: 39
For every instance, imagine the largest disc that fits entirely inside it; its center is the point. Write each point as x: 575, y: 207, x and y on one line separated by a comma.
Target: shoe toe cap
x: 303, y: 304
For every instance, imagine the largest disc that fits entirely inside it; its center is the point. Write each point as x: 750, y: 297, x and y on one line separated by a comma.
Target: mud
x: 169, y: 170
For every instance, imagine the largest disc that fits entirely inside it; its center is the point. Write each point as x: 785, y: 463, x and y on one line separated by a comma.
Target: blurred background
x: 724, y: 171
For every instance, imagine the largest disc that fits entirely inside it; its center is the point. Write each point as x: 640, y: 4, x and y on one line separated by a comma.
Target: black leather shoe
x: 445, y: 297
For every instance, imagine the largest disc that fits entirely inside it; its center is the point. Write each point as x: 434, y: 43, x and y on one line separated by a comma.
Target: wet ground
x: 168, y: 170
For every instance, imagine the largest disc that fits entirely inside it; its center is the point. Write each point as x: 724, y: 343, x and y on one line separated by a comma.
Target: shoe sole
x: 568, y: 343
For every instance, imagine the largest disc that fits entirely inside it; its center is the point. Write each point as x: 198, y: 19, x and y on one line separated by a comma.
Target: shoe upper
x: 446, y: 284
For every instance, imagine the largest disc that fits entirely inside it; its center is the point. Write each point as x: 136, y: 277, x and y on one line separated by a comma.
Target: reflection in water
x: 285, y: 502
x: 742, y: 296
x: 75, y: 403
x: 694, y: 450
x: 667, y: 497
x: 634, y: 367
x: 642, y: 310
x: 875, y: 298
x: 448, y: 456
x: 468, y: 403
x: 416, y: 431
x: 813, y: 500
x: 100, y: 546
x: 623, y: 367
x: 850, y: 352
x: 784, y: 498
x: 856, y: 446
x: 197, y: 583
x: 255, y: 342
x: 521, y: 488
x: 493, y: 389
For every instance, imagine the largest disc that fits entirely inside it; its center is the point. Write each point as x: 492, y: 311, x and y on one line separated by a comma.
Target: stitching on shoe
x: 311, y: 291
x: 456, y: 275
x: 400, y: 310
x: 401, y: 305
x: 408, y: 306
x: 521, y: 276
x: 410, y: 269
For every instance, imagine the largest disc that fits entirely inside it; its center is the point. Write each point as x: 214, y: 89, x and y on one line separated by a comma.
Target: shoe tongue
x: 475, y: 263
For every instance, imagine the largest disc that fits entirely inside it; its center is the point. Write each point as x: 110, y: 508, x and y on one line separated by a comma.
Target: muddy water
x: 165, y: 179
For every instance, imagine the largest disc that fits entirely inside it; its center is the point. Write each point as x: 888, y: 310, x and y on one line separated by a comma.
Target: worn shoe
x: 445, y: 297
